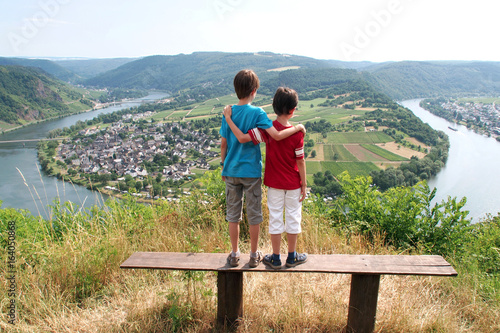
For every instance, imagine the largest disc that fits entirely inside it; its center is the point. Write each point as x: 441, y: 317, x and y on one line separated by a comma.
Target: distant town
x: 136, y: 148
x: 482, y: 117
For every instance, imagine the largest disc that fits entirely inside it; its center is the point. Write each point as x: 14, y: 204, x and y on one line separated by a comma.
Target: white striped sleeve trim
x: 257, y: 135
x: 299, y: 153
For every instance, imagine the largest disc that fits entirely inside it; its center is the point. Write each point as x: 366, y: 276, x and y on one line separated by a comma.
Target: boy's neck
x: 283, y: 120
x: 248, y: 99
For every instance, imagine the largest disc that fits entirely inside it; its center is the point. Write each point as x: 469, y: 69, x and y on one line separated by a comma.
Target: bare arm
x: 223, y: 149
x: 301, y: 164
x: 242, y: 138
x: 280, y: 135
x: 272, y: 131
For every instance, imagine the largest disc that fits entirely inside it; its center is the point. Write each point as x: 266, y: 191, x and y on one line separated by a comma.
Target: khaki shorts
x: 235, y: 187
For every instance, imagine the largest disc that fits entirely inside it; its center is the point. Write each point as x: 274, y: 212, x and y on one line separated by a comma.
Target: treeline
x: 305, y: 80
x: 409, y: 174
x: 433, y: 105
x: 120, y: 94
x: 403, y: 120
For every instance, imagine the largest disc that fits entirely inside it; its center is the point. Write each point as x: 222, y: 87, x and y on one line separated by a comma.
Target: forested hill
x: 209, y: 70
x: 411, y: 79
x: 28, y: 93
x: 48, y: 66
x: 213, y: 72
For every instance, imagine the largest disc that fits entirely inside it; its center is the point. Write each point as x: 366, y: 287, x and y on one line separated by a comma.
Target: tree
x: 313, y: 154
x: 139, y: 185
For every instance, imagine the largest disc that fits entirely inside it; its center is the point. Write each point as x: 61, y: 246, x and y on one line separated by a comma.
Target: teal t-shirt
x: 244, y: 159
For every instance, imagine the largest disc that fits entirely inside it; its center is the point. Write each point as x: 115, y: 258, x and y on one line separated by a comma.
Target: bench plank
x: 331, y: 263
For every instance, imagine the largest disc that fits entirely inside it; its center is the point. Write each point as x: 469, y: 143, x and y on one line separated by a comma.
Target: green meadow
x: 384, y: 153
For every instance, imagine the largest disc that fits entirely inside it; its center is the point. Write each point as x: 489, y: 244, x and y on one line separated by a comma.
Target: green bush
x: 403, y: 214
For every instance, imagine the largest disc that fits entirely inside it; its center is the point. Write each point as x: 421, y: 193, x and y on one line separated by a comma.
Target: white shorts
x: 277, y: 200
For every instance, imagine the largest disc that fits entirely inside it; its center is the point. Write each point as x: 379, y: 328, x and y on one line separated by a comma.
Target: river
x: 471, y: 170
x: 23, y: 185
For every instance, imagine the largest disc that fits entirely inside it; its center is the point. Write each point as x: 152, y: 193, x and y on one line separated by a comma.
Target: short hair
x: 245, y: 82
x: 285, y: 99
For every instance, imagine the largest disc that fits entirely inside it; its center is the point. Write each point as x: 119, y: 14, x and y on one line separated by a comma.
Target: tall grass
x: 69, y: 280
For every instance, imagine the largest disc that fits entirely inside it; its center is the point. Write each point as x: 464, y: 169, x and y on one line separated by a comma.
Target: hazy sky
x: 374, y: 30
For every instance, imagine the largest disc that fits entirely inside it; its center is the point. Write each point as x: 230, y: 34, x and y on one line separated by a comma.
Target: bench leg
x: 229, y: 297
x: 363, y: 303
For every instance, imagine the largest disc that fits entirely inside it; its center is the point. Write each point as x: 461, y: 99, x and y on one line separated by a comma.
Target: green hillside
x: 213, y: 71
x: 411, y: 79
x: 28, y: 93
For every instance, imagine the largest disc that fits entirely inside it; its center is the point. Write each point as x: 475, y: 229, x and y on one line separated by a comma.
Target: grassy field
x: 343, y: 155
x: 358, y: 137
x: 336, y: 168
x: 384, y: 153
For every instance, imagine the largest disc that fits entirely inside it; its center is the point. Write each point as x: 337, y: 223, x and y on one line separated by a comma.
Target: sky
x: 346, y: 30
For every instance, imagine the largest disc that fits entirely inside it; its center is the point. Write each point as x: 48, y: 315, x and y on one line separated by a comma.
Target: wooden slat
x: 332, y: 263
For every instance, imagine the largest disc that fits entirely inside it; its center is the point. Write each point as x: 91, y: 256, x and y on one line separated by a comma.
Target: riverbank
x: 481, y: 117
x: 471, y: 167
x: 25, y: 187
x: 98, y: 106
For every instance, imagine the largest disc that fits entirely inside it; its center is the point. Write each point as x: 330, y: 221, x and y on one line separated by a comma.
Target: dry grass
x: 160, y: 301
x: 397, y: 149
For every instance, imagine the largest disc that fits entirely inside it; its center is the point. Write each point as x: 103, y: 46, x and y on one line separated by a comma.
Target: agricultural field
x: 383, y: 153
x: 359, y: 153
x: 358, y: 137
x: 336, y: 168
x: 338, y: 153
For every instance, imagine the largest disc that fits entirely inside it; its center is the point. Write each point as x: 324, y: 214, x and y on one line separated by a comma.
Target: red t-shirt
x: 281, y: 171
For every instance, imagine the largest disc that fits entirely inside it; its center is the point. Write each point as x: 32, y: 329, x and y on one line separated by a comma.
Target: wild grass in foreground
x: 68, y: 276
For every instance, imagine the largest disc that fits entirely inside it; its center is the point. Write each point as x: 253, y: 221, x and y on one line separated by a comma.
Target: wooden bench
x: 365, y: 271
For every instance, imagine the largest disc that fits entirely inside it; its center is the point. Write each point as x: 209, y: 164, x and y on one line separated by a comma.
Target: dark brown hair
x: 245, y: 82
x: 285, y: 99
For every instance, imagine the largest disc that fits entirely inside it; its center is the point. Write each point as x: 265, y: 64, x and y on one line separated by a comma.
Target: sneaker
x: 300, y: 258
x: 254, y: 261
x: 233, y: 260
x: 269, y: 261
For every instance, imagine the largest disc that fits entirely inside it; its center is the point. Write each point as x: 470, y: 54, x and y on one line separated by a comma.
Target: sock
x: 235, y: 254
x: 253, y: 254
x: 276, y: 256
x: 292, y: 255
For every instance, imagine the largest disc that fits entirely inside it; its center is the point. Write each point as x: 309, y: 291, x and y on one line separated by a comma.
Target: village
x: 476, y: 114
x: 139, y: 149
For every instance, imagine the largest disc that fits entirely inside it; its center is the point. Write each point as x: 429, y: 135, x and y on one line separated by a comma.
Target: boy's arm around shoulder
x: 242, y: 137
x: 301, y: 164
x: 223, y: 150
x: 280, y: 135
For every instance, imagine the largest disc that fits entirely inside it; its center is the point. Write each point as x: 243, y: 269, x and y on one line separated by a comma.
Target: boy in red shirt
x: 285, y: 175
